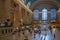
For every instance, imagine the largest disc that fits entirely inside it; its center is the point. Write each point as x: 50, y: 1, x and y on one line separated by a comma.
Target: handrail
x: 22, y: 5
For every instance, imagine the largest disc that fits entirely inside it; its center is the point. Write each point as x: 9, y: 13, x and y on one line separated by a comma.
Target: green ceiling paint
x: 58, y: 1
x: 27, y: 1
x: 30, y: 1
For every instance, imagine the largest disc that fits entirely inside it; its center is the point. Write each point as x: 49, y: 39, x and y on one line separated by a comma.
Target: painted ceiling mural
x: 58, y: 1
x: 32, y: 1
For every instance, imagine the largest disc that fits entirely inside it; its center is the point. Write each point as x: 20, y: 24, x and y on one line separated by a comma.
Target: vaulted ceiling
x: 32, y: 1
x: 58, y: 1
x: 48, y: 3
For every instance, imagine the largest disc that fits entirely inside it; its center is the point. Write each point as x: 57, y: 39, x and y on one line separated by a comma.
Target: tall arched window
x: 53, y: 14
x: 24, y: 1
x: 28, y: 5
x: 36, y: 14
x: 44, y: 14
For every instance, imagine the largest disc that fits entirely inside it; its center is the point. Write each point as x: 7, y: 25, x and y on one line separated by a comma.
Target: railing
x: 6, y: 31
x: 23, y: 6
x: 9, y: 33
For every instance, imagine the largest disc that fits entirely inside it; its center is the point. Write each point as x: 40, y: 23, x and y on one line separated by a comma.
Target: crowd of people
x: 38, y: 33
x: 46, y: 34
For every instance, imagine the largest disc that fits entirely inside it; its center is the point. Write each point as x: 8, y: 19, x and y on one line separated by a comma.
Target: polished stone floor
x: 30, y: 36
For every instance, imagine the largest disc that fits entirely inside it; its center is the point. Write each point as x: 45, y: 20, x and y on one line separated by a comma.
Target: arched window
x: 36, y: 14
x: 28, y: 5
x: 24, y: 1
x: 53, y: 14
x: 44, y: 14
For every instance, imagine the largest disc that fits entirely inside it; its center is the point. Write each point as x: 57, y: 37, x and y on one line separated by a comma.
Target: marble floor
x: 29, y: 36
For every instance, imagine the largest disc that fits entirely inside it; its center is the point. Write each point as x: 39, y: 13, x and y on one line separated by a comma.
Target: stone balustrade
x: 6, y: 31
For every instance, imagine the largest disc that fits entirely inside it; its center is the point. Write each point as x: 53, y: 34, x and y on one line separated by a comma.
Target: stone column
x: 8, y: 6
x: 16, y: 17
x: 2, y: 11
